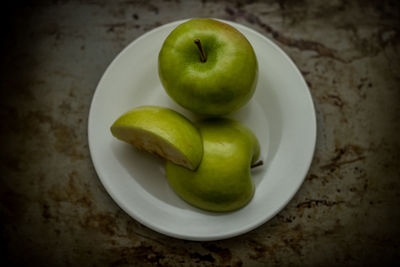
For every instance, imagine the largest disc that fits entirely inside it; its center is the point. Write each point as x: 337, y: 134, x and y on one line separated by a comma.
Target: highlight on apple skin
x: 208, y: 67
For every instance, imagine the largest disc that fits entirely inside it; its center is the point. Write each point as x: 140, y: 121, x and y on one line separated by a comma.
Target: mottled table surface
x: 55, y: 211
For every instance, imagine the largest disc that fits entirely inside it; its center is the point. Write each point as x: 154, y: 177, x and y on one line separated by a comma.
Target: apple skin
x: 161, y: 131
x: 223, y: 83
x: 222, y: 182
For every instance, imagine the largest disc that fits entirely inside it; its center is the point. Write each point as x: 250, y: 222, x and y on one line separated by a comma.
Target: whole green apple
x: 208, y: 67
x: 222, y: 182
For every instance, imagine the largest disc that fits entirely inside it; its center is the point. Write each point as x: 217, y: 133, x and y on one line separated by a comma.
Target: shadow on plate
x: 148, y: 171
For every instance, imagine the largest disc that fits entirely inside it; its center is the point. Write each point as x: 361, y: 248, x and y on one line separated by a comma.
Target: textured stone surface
x: 54, y: 210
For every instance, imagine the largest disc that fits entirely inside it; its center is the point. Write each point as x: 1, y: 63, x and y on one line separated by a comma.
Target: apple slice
x: 161, y: 131
x: 223, y: 181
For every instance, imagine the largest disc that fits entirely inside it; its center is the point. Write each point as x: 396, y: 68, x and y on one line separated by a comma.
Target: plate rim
x: 247, y: 227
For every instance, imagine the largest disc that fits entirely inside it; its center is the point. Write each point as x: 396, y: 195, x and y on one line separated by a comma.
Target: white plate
x: 281, y: 114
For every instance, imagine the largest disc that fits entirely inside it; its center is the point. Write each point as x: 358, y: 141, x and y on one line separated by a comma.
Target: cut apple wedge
x: 223, y: 181
x: 161, y: 131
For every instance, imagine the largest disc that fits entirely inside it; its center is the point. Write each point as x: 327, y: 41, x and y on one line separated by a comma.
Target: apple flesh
x: 161, y: 131
x: 208, y: 67
x: 222, y: 182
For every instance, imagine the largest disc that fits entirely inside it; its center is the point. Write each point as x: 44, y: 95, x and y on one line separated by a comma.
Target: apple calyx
x: 203, y: 57
x: 258, y: 163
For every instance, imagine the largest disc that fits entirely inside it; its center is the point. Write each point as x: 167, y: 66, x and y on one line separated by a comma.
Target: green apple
x: 223, y: 181
x: 208, y: 67
x: 161, y: 131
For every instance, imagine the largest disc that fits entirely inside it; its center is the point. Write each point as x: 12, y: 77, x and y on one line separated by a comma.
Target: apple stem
x: 258, y: 163
x: 203, y: 57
